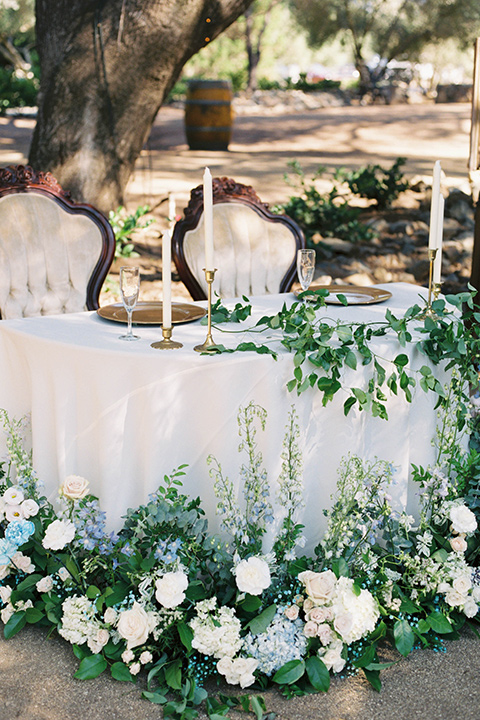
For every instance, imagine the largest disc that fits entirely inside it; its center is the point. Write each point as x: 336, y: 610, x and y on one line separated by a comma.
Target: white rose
x: 170, y: 589
x: 23, y: 563
x: 310, y: 629
x: 45, y: 584
x: 333, y: 657
x: 291, y: 612
x: 58, y: 534
x: 133, y: 625
x: 4, y: 571
x: 134, y: 668
x: 239, y: 671
x: 454, y: 598
x: 13, y: 496
x: 63, y: 574
x: 74, y: 487
x: 463, y: 520
x: 458, y: 544
x: 319, y: 586
x: 146, y: 657
x: 317, y: 614
x: 110, y: 616
x: 252, y: 575
x: 29, y: 508
x: 128, y: 656
x: 5, y: 592
x: 462, y: 584
x: 13, y: 512
x: 325, y: 634
x: 103, y: 636
x: 343, y: 624
x: 470, y: 608
x: 7, y: 613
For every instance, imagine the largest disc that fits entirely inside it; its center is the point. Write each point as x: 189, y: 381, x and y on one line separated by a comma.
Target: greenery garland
x: 167, y: 597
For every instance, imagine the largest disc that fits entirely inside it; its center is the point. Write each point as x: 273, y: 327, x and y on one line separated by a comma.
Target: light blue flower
x: 19, y: 531
x: 7, y: 551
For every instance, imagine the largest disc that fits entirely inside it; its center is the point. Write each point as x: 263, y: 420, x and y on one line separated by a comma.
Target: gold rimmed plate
x: 151, y: 313
x: 355, y: 295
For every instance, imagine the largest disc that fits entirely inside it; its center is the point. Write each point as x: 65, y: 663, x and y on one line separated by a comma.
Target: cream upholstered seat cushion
x: 252, y: 255
x: 47, y: 256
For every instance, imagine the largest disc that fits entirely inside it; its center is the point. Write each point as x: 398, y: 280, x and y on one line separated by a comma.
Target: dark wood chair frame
x: 24, y: 179
x: 226, y: 190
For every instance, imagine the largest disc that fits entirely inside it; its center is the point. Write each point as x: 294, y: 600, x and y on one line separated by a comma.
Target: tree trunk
x: 106, y: 68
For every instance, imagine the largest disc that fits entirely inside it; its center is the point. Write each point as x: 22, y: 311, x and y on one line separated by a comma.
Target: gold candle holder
x: 209, y: 342
x: 167, y: 343
x: 433, y: 288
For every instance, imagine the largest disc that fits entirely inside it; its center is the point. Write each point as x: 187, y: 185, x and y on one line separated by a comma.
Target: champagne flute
x: 129, y: 288
x: 305, y: 267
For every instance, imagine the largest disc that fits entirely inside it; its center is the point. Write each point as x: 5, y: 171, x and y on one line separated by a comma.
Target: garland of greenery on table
x: 166, y: 597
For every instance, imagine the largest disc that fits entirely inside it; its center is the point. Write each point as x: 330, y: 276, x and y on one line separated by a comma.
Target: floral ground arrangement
x: 167, y: 598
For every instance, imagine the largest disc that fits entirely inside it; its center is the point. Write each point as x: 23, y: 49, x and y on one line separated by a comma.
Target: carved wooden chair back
x: 54, y: 253
x: 255, y: 250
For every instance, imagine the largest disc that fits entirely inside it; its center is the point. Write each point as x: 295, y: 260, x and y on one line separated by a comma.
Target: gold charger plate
x: 151, y: 313
x: 355, y: 295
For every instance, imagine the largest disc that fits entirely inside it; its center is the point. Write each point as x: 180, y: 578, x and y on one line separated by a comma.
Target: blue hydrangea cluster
x: 17, y: 534
x: 282, y: 641
x: 89, y: 522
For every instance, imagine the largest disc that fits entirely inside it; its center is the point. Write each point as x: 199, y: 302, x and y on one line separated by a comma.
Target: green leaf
x: 186, y: 635
x: 401, y: 360
x: 91, y: 667
x: 404, y: 637
x: 366, y: 658
x: 250, y: 603
x: 290, y: 672
x: 155, y: 697
x: 33, y: 615
x: 351, y: 360
x: 92, y: 592
x: 439, y: 622
x: 15, y: 624
x: 260, y: 623
x: 317, y: 673
x: 28, y: 582
x: 373, y: 677
x: 119, y: 593
x: 348, y: 404
x: 173, y: 674
x: 121, y: 672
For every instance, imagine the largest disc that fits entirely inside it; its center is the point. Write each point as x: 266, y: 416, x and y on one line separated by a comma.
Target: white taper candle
x: 437, y: 265
x: 167, y: 279
x: 208, y: 218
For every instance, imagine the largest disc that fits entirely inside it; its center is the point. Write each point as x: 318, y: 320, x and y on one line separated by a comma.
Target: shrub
x: 375, y: 183
x: 328, y: 214
x: 124, y: 226
x: 16, y: 90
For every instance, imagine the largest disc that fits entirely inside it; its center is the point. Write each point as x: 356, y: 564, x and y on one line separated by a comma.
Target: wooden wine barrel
x: 208, y: 114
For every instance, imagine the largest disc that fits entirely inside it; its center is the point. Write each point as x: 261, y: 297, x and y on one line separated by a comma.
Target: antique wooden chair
x: 255, y: 250
x: 54, y: 253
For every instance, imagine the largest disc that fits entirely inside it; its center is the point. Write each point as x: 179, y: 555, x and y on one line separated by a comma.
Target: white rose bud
x: 45, y: 584
x: 29, y: 508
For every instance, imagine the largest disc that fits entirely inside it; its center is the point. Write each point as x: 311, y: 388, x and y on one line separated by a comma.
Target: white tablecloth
x: 123, y: 414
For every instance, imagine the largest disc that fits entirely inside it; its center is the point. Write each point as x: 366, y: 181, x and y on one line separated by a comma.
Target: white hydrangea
x: 80, y: 625
x: 355, y: 615
x: 216, y: 631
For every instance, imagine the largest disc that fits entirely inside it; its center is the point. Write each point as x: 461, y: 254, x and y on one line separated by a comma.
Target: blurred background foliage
x: 362, y: 45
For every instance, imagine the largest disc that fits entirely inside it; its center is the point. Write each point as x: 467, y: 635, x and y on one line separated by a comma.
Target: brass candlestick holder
x: 209, y: 342
x: 167, y: 343
x: 433, y: 288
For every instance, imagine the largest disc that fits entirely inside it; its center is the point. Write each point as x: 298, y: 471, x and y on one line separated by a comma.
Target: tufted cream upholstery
x: 47, y: 256
x: 252, y: 254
